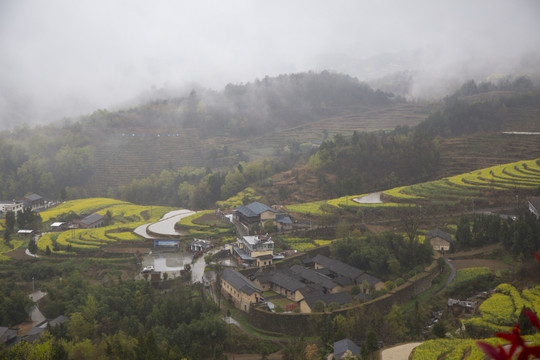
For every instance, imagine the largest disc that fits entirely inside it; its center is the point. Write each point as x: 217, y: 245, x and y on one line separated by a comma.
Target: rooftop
x: 253, y: 209
x: 239, y: 281
x: 438, y: 233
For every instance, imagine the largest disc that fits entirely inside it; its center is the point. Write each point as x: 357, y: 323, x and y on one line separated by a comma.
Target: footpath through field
x: 165, y: 226
x: 400, y: 352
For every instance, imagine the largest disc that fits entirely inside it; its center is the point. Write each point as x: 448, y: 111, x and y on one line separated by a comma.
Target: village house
x: 15, y: 206
x: 309, y: 300
x: 281, y: 283
x: 33, y: 201
x: 458, y: 307
x: 439, y: 240
x: 239, y: 289
x: 534, y: 206
x: 344, y: 274
x: 345, y: 348
x: 59, y: 226
x: 256, y: 214
x: 92, y: 221
x: 255, y: 250
x: 200, y: 245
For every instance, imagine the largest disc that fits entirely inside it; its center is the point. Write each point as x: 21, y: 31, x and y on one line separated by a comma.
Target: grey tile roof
x: 341, y: 346
x: 439, y: 233
x: 239, y: 281
x: 33, y: 197
x: 253, y: 209
x: 340, y: 298
x: 92, y: 219
x: 338, y: 267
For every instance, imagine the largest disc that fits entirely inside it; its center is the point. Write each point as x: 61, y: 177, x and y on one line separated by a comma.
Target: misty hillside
x: 284, y: 118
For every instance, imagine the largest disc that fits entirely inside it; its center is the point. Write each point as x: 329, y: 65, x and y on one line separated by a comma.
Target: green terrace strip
x: 468, y: 274
x: 521, y: 174
x: 501, y: 311
x: 86, y: 206
x: 126, y: 218
x: 211, y: 228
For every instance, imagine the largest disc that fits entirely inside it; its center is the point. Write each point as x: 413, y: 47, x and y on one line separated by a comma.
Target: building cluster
x: 34, y: 202
x: 321, y: 279
x: 255, y: 215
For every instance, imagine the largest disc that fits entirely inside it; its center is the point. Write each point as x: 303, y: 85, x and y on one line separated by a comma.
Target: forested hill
x: 85, y: 156
x: 251, y: 109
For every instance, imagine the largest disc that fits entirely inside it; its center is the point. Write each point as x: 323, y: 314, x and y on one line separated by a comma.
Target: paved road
x: 400, y: 352
x: 165, y: 226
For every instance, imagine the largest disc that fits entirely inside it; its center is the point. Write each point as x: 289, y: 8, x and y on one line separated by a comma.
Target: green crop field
x: 126, y: 217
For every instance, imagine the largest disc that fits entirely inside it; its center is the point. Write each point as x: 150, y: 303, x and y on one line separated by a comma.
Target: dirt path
x: 400, y: 352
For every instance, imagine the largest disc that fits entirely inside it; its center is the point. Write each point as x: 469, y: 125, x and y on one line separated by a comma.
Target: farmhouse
x: 59, y: 226
x: 344, y: 274
x: 33, y: 201
x: 303, y: 286
x: 200, y: 245
x: 15, y: 206
x: 345, y: 348
x: 457, y: 307
x: 534, y: 206
x: 255, y: 250
x: 281, y: 283
x: 92, y: 221
x: 306, y: 304
x: 256, y: 214
x: 239, y: 289
x: 439, y: 240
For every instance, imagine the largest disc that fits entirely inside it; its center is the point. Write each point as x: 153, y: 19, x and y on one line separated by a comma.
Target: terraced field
x: 468, y: 186
x: 126, y: 217
x: 498, y: 313
x: 513, y: 176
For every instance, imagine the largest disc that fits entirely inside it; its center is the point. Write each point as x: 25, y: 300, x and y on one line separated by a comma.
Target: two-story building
x: 15, y: 206
x: 255, y: 250
x: 256, y: 214
x: 239, y: 289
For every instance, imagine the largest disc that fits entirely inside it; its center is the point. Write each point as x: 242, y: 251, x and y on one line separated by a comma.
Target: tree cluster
x: 370, y: 161
x: 520, y: 236
x: 384, y: 255
x: 131, y: 320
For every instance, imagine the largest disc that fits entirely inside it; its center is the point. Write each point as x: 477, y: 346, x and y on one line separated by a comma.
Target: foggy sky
x: 64, y: 57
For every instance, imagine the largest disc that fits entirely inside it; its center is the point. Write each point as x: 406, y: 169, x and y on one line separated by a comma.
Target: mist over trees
x: 172, y: 151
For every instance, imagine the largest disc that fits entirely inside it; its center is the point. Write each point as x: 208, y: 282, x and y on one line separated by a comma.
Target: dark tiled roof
x: 372, y: 280
x: 239, y: 281
x: 92, y: 219
x: 438, y: 233
x: 33, y: 197
x: 253, y: 209
x: 283, y: 219
x: 286, y: 281
x: 340, y: 298
x: 314, y: 277
x: 341, y: 346
x: 338, y: 267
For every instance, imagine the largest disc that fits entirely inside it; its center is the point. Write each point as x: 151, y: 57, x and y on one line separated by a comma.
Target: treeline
x: 196, y: 188
x: 372, y: 161
x: 14, y: 304
x: 58, y: 160
x: 459, y: 117
x: 384, y: 255
x: 520, y: 236
x: 128, y: 320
